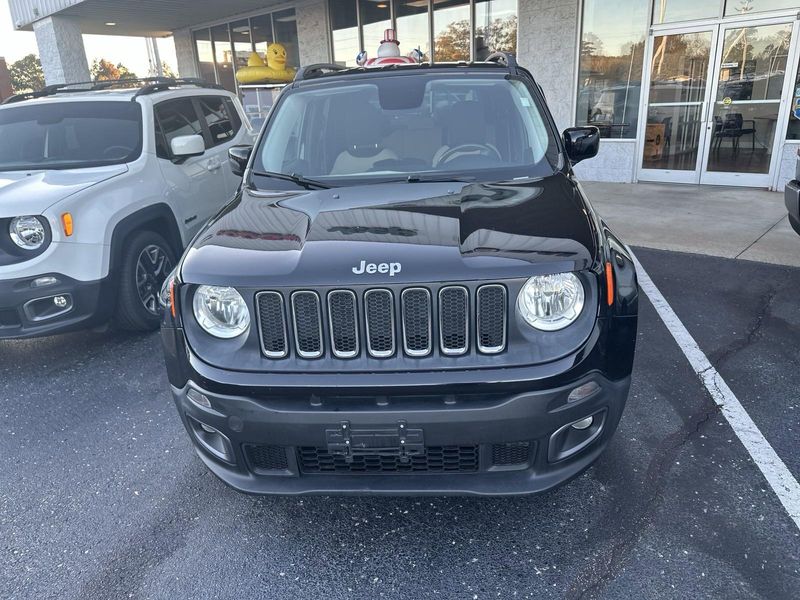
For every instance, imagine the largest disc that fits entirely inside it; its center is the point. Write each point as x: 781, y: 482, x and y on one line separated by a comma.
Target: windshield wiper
x: 294, y: 178
x: 414, y: 178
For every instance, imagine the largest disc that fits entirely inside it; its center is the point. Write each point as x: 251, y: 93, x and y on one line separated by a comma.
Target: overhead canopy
x: 145, y: 18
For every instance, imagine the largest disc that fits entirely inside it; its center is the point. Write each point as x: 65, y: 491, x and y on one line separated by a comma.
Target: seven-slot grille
x: 388, y: 329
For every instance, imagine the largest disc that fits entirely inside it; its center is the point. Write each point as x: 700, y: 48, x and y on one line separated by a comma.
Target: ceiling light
x: 111, y: 24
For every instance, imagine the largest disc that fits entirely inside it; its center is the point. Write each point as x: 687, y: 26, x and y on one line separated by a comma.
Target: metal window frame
x: 381, y: 353
x: 491, y: 349
x: 406, y: 349
x: 457, y: 351
x: 271, y: 354
x: 334, y: 351
x: 302, y: 353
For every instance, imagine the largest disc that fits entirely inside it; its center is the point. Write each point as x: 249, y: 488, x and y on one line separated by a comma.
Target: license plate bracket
x: 398, y: 440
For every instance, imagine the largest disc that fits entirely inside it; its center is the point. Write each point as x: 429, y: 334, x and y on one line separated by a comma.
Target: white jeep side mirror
x: 185, y: 146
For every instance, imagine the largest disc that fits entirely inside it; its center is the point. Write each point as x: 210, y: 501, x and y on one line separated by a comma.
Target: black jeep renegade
x: 410, y: 294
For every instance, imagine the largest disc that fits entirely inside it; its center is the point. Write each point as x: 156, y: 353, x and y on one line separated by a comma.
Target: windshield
x: 426, y: 125
x: 69, y: 135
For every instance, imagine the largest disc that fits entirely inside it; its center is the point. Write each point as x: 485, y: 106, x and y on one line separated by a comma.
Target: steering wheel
x: 108, y: 152
x: 482, y: 149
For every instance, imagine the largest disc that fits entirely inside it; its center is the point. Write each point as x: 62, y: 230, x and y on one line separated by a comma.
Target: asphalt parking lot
x: 101, y: 495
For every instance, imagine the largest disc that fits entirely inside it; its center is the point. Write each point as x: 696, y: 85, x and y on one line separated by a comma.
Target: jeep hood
x: 428, y: 232
x: 33, y: 192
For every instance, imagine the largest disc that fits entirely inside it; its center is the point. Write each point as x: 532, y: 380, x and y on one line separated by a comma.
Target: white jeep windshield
x: 482, y: 126
x: 69, y: 135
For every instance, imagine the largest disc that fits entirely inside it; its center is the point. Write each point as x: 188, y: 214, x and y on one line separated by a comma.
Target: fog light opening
x: 583, y: 423
x: 212, y: 440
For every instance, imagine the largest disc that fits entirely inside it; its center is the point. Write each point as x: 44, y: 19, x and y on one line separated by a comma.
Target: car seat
x: 464, y: 124
x: 364, y: 130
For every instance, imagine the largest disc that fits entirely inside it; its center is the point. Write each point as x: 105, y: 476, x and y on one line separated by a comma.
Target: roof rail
x: 149, y: 85
x: 506, y: 59
x: 159, y: 84
x: 311, y: 71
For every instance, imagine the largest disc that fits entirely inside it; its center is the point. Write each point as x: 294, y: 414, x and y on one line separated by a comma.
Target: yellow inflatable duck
x: 275, y: 70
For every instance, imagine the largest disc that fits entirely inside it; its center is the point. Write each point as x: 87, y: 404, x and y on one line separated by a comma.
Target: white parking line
x: 778, y: 476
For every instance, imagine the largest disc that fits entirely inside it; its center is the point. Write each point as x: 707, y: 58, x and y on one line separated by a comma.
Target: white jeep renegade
x: 100, y: 190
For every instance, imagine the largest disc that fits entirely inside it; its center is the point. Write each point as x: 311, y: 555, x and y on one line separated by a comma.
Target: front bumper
x: 478, y: 444
x: 27, y: 311
x: 481, y: 431
x: 791, y: 197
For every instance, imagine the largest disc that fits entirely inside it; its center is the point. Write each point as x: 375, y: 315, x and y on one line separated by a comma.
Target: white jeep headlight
x: 551, y: 302
x: 27, y: 232
x: 221, y: 311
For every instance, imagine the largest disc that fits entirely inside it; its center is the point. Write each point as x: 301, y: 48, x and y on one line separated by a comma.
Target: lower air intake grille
x: 307, y: 324
x: 437, y: 459
x: 513, y: 453
x: 491, y: 319
x: 267, y: 457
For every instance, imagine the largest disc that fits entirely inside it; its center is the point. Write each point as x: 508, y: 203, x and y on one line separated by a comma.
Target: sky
x: 130, y: 51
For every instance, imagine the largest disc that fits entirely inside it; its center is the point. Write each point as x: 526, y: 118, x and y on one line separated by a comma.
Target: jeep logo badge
x: 370, y: 268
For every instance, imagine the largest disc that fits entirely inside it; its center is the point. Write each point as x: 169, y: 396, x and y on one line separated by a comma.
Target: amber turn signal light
x: 172, y: 297
x: 609, y: 284
x: 66, y: 223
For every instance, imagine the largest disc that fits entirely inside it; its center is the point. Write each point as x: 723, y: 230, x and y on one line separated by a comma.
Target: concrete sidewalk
x: 718, y: 221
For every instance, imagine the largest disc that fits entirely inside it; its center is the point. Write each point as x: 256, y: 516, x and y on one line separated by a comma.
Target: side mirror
x: 238, y: 157
x: 581, y: 143
x: 185, y: 146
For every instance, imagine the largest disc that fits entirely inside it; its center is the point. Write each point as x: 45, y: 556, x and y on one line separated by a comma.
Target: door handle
x: 213, y: 164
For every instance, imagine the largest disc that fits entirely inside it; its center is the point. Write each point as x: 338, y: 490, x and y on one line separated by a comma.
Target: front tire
x: 146, y: 262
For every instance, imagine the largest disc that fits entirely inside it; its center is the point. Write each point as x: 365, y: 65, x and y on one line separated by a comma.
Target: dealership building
x: 691, y: 91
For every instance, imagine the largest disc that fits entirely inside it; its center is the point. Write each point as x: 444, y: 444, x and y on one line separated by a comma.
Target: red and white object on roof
x: 388, y: 53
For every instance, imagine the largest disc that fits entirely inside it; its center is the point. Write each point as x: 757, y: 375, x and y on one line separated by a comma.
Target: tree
x: 105, y: 70
x: 167, y: 71
x: 26, y: 74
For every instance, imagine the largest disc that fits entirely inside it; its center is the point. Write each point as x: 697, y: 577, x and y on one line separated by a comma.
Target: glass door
x: 747, y: 116
x: 677, y: 98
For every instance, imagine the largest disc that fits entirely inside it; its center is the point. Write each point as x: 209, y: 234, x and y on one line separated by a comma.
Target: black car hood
x: 433, y: 231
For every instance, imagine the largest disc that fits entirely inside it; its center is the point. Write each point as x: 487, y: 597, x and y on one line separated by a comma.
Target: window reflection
x: 495, y: 27
x: 671, y: 11
x: 234, y: 42
x: 261, y: 30
x: 754, y: 62
x: 375, y: 19
x: 242, y: 46
x: 794, y: 112
x: 223, y: 57
x: 610, y: 72
x: 412, y: 26
x: 344, y: 26
x: 744, y: 7
x: 284, y: 24
x: 451, y: 31
x: 205, y: 55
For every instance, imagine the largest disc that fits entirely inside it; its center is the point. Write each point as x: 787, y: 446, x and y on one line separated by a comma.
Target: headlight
x: 27, y: 232
x: 221, y: 311
x: 551, y: 302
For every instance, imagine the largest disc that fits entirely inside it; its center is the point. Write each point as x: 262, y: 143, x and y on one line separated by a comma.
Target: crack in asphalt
x: 639, y: 513
x: 753, y: 330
